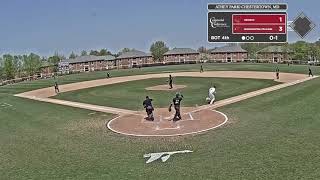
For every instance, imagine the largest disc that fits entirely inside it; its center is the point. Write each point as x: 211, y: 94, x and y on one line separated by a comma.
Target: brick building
x: 134, y: 58
x: 275, y: 54
x: 181, y: 55
x: 87, y: 63
x: 228, y: 54
x: 47, y: 69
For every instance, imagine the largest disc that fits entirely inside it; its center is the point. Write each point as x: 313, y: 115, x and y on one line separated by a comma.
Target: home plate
x: 168, y: 128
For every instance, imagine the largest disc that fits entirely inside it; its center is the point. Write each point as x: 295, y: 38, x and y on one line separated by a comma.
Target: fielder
x: 212, y: 95
x: 310, y: 72
x: 56, y: 87
x: 170, y: 81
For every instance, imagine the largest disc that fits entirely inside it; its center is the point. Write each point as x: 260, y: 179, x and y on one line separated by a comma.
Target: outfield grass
x: 27, y: 86
x: 129, y: 95
x: 272, y: 136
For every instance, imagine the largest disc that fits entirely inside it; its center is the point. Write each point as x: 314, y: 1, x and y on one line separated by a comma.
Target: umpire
x: 176, y: 101
x: 147, y: 104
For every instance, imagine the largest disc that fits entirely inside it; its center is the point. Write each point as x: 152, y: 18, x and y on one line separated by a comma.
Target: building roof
x: 133, y: 54
x: 275, y: 49
x: 228, y: 49
x: 181, y: 51
x: 89, y: 58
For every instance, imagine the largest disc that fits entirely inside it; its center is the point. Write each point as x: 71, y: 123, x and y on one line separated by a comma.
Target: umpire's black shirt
x: 147, y: 102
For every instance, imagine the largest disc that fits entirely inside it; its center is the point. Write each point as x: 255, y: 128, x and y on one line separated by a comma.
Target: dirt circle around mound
x: 165, y: 87
x: 192, y: 122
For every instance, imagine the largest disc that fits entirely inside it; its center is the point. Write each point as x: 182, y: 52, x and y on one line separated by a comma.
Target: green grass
x: 129, y: 95
x: 27, y: 86
x: 273, y: 136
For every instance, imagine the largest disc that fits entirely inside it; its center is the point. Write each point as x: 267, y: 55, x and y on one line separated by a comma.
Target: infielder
x: 310, y: 72
x: 201, y: 69
x: 176, y: 101
x: 56, y: 87
x: 170, y: 81
x: 277, y: 73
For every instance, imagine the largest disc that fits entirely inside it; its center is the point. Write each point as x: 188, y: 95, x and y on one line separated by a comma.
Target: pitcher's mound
x: 192, y: 122
x: 165, y: 87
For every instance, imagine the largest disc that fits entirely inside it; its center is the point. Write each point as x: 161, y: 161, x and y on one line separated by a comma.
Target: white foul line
x: 191, y: 117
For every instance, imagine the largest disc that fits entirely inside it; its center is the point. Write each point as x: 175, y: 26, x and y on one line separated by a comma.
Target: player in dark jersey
x: 56, y: 87
x: 170, y: 81
x: 147, y: 104
x: 176, y: 102
x: 201, y: 69
x: 108, y: 75
x: 277, y: 73
x: 310, y: 72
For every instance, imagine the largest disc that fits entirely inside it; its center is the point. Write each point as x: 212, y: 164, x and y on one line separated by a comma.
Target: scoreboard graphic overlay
x: 247, y: 23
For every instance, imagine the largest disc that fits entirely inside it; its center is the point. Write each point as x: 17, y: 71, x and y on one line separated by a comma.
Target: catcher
x: 176, y: 101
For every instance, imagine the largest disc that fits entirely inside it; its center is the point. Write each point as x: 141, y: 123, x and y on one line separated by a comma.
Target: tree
x: 84, y: 53
x: 158, y: 49
x: 104, y: 52
x: 317, y: 43
x: 253, y: 48
x: 300, y: 49
x: 202, y: 49
x: 18, y: 65
x: 314, y: 52
x: 124, y: 50
x: 1, y: 69
x: 94, y: 52
x: 72, y: 55
x: 56, y: 58
x: 8, y: 66
x: 32, y: 63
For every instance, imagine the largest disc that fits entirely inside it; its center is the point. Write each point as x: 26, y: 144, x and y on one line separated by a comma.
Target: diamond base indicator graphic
x: 302, y: 25
x: 247, y: 26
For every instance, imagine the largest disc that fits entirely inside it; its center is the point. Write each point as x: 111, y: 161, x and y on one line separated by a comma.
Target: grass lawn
x: 272, y: 136
x: 130, y: 95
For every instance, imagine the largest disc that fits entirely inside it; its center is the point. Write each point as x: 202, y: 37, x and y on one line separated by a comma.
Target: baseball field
x: 271, y: 130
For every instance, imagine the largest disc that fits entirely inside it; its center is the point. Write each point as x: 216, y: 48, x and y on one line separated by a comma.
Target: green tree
x: 94, y: 52
x: 1, y: 68
x: 84, y: 53
x: 56, y: 58
x: 72, y: 55
x: 314, y: 52
x: 18, y: 65
x: 300, y: 49
x: 8, y: 66
x: 158, y: 49
x: 124, y: 50
x: 32, y: 63
x: 104, y: 52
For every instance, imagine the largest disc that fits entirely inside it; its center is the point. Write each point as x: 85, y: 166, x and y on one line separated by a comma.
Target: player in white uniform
x: 212, y: 95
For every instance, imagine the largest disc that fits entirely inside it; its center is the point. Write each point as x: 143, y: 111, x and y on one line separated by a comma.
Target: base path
x: 194, y: 120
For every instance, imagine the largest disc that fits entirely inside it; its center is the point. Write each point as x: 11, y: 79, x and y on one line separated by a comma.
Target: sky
x: 63, y: 26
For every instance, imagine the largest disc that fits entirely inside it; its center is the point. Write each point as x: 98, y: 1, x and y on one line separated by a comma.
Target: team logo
x: 218, y: 22
x: 164, y: 156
